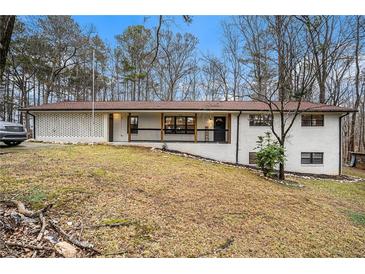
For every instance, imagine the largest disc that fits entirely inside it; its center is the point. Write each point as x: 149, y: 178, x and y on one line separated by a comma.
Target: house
x: 224, y: 131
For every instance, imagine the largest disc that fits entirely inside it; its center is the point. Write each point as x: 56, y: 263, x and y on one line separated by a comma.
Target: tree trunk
x: 281, y: 172
x: 6, y: 30
x: 282, y: 144
x: 322, y: 92
x: 351, y: 146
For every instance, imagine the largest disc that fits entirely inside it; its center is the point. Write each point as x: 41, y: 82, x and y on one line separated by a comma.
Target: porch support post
x: 161, y: 126
x: 195, y: 128
x: 229, y: 128
x: 129, y: 126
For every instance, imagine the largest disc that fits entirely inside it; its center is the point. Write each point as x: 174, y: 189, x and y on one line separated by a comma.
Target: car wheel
x: 12, y: 143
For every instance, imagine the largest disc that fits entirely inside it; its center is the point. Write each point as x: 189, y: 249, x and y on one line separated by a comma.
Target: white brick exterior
x: 71, y: 127
x: 76, y: 127
x: 300, y: 139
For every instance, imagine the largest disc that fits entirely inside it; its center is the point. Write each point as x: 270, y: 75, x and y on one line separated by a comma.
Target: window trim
x: 268, y: 123
x: 311, y: 158
x: 311, y: 120
x: 132, y: 129
x: 174, y: 130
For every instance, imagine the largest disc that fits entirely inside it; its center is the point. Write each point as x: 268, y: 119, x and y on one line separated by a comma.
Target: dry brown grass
x: 181, y: 207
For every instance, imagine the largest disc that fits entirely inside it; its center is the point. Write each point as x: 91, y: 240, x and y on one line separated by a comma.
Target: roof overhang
x: 185, y: 106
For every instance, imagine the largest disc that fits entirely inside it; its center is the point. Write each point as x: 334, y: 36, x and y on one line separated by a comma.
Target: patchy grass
x: 115, y: 221
x: 352, y: 171
x: 36, y: 197
x: 346, y: 191
x: 357, y: 217
x: 181, y: 207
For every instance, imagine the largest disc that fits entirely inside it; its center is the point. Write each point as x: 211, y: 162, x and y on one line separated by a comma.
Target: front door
x: 220, y: 129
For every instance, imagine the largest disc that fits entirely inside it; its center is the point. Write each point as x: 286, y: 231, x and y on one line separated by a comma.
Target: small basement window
x: 252, y: 158
x: 134, y: 124
x: 260, y: 120
x: 315, y: 158
x: 312, y: 120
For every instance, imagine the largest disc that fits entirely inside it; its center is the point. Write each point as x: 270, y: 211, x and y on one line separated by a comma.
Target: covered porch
x: 164, y: 127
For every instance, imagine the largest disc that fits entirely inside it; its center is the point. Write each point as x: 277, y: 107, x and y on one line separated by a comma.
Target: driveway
x: 24, y: 146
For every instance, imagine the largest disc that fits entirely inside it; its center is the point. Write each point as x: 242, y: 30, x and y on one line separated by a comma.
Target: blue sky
x: 206, y: 28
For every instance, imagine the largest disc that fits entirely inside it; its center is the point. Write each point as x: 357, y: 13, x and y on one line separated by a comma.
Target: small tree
x: 270, y: 154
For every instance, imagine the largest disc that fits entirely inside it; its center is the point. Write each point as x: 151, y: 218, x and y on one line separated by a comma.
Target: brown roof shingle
x: 186, y: 105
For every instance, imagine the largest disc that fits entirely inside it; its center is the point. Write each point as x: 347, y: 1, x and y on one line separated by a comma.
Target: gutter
x: 238, y: 134
x: 33, y: 122
x: 340, y: 143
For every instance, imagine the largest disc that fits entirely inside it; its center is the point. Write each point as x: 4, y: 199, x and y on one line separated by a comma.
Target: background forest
x: 49, y: 59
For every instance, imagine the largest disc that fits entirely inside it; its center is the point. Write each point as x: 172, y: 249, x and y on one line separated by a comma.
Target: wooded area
x: 311, y: 58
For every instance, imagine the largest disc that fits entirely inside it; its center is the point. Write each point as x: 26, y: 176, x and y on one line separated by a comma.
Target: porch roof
x: 184, y: 106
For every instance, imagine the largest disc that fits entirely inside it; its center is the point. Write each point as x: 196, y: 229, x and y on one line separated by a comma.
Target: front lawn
x: 180, y: 207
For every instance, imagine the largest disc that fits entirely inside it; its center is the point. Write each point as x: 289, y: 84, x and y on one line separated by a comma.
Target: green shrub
x: 269, y: 154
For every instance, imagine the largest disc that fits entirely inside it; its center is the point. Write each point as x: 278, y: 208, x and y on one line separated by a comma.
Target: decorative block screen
x: 69, y: 125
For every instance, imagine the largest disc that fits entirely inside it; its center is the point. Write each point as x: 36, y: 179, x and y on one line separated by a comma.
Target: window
x: 312, y: 120
x: 190, y: 125
x: 179, y: 125
x: 252, y: 158
x: 169, y: 124
x: 312, y: 158
x: 134, y: 124
x: 260, y: 120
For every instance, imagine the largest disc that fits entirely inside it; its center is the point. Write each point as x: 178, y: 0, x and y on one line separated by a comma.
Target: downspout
x: 340, y: 143
x: 33, y: 122
x: 238, y: 134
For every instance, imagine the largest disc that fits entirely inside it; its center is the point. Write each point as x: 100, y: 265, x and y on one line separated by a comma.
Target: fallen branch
x: 81, y: 244
x: 22, y: 209
x: 34, y: 247
x: 43, y: 210
x: 36, y: 243
x: 44, y: 224
x: 221, y: 248
x: 122, y: 252
x: 225, y: 245
x: 112, y: 225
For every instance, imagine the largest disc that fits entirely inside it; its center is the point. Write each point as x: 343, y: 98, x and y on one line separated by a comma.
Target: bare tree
x: 358, y: 92
x: 293, y: 79
x: 176, y: 60
x: 339, y: 83
x: 214, y: 78
x: 328, y: 39
x: 232, y: 61
x: 258, y: 65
